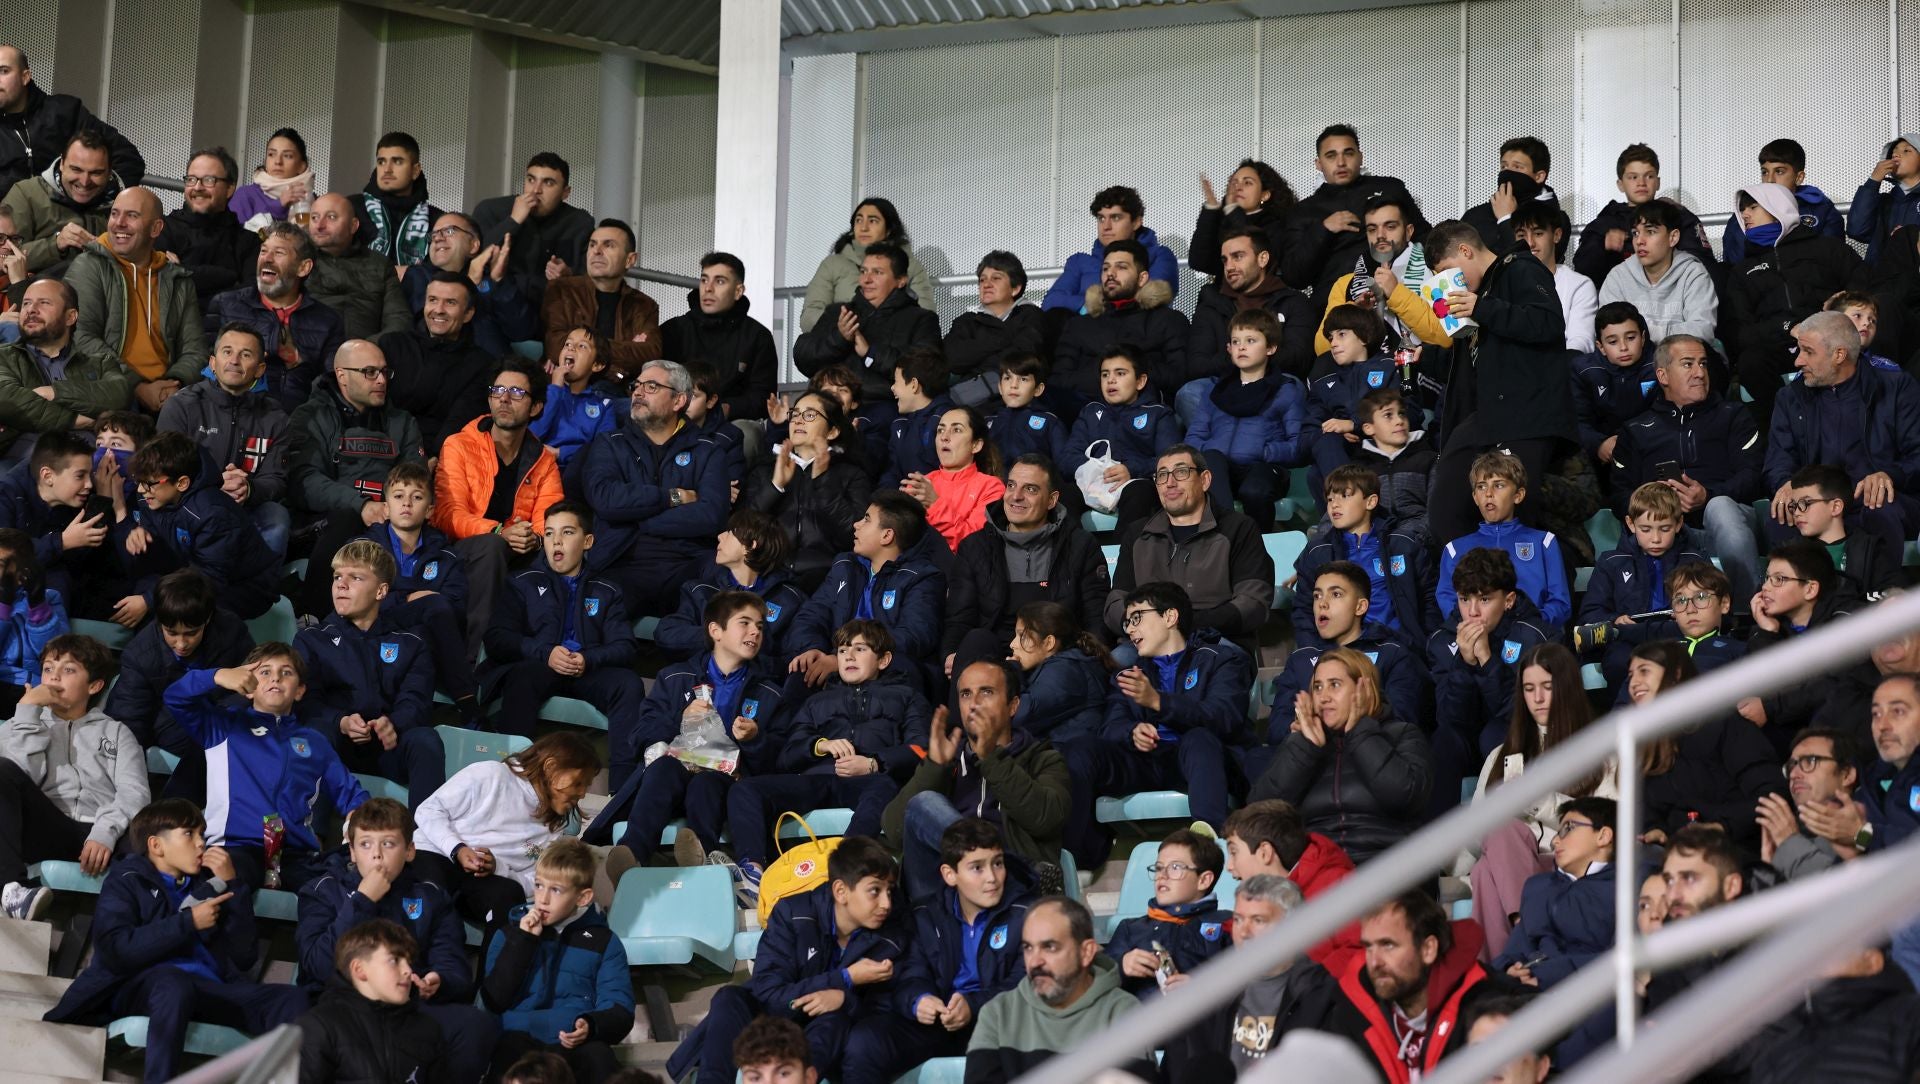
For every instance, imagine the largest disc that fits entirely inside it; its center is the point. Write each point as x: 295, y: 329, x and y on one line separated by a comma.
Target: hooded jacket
x: 1403, y: 478
x: 441, y: 382
x: 469, y: 468
x: 1204, y: 688
x: 398, y: 227
x: 1403, y: 677
x: 683, y: 633
x: 172, y: 311
x: 1311, y: 258
x: 1814, y: 425
x: 1366, y: 789
x: 1147, y: 321
x: 350, y: 1039
x: 898, y: 324
x: 576, y: 971
x: 1404, y: 561
x: 1880, y: 207
x: 380, y: 670
x: 1776, y: 286
x: 1249, y: 425
x: 1192, y: 933
x: 360, y: 285
x: 737, y: 346
x: 574, y: 301
x: 1213, y: 312
x: 978, y: 342
x: 1509, y: 381
x: 1683, y: 302
x: 837, y: 282
x: 148, y: 666
x: 1081, y: 275
x: 908, y: 595
x: 1016, y: 1032
x: 331, y: 904
x: 504, y: 315
x: 1064, y: 697
x: 215, y: 249
x: 1023, y: 786
x: 1714, y: 442
x: 1607, y: 396
x: 1593, y: 260
x: 1321, y: 866
x: 1816, y: 213
x: 487, y: 805
x: 563, y: 233
x: 1360, y: 1016
x: 338, y: 456
x: 886, y: 719
x: 626, y: 478
x: 207, y: 531
x: 93, y: 768
x: 1224, y: 568
x: 248, y: 430
x: 316, y: 330
x: 94, y: 382
x: 41, y: 206
x: 818, y: 511
x: 979, y: 594
x: 39, y: 134
x: 1627, y: 580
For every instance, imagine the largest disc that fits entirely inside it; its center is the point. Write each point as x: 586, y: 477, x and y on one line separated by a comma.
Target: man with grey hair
x: 660, y: 492
x: 300, y: 332
x: 1863, y: 420
x: 138, y: 305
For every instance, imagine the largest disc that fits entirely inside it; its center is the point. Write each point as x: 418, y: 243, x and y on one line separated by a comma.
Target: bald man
x: 39, y: 123
x: 352, y: 279
x: 138, y: 305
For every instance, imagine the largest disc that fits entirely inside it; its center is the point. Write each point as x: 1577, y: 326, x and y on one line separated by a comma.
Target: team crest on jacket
x: 182, y: 539
x: 593, y: 607
x: 1140, y: 421
x: 1509, y: 652
x: 683, y: 459
x: 1376, y: 378
x: 1372, y: 657
x: 888, y: 598
x: 1646, y: 386
x: 1036, y: 422
x: 1913, y: 799
x: 593, y: 410
x: 1398, y: 565
x: 301, y: 748
x: 1210, y: 931
x: 1378, y: 569
x: 390, y: 652
x: 1523, y: 551
x: 997, y: 940
x: 431, y: 572
x: 413, y: 908
x: 750, y: 708
x: 1193, y: 678
x: 773, y: 612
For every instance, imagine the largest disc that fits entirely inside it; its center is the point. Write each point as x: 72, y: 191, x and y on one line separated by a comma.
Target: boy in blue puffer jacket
x: 1499, y: 485
x: 558, y: 975
x: 1249, y: 422
x: 189, y: 521
x: 1356, y: 344
x: 1183, y: 917
x: 751, y: 555
x: 31, y: 613
x: 577, y: 410
x: 1134, y: 429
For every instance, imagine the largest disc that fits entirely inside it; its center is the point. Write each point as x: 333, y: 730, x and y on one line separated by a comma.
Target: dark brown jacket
x: 570, y: 303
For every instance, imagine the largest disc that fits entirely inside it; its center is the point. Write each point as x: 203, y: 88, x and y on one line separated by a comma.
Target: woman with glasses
x: 817, y: 485
x: 283, y: 181
x: 1715, y: 772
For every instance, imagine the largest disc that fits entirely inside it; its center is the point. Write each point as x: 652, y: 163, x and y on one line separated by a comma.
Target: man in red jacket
x: 1269, y: 837
x: 1401, y: 1002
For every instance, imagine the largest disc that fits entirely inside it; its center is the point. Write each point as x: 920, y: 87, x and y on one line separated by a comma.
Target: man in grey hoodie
x: 1671, y: 288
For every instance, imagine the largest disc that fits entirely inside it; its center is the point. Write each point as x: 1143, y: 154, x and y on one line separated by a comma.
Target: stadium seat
x: 1581, y: 576
x: 276, y: 904
x: 1136, y: 888
x: 1298, y: 503
x: 1111, y: 551
x: 161, y: 762
x: 1604, y: 529
x: 1285, y: 548
x: 1070, y: 877
x: 69, y: 877
x: 276, y: 625
x: 1147, y: 805
x: 206, y: 1040
x: 746, y: 944
x: 670, y: 917
x: 1592, y: 678
x: 108, y: 633
x: 531, y: 349
x: 1098, y: 522
x: 936, y: 1071
x: 466, y: 747
x: 571, y: 712
x: 1463, y: 909
x: 377, y: 787
x: 644, y: 628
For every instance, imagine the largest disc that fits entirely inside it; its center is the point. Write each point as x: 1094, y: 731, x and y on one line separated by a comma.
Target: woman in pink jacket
x: 957, y: 495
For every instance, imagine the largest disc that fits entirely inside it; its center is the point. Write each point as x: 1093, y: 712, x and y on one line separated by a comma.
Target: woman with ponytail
x: 1067, y: 673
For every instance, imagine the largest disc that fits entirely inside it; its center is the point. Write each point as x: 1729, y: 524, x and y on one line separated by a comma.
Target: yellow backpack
x: 800, y: 868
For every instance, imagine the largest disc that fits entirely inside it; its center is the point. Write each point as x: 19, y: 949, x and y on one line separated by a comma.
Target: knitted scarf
x: 414, y: 229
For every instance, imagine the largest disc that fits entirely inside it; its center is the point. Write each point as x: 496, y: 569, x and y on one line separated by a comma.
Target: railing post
x: 1626, y: 881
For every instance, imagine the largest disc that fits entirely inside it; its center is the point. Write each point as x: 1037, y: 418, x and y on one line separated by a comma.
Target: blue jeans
x: 1732, y: 536
x: 275, y: 524
x: 929, y: 814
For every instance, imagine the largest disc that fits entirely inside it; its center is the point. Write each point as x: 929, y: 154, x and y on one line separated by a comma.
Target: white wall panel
x: 820, y: 164
x: 32, y: 25
x: 290, y: 84
x: 676, y: 178
x: 428, y: 69
x: 556, y: 108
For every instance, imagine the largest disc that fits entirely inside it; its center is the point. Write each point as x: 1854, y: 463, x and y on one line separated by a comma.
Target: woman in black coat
x: 1257, y: 197
x: 1714, y: 773
x: 817, y: 485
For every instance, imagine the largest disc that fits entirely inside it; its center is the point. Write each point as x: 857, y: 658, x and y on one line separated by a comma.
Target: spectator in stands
x: 242, y: 429
x: 1787, y: 274
x: 1065, y: 669
x: 547, y: 236
x: 1218, y: 560
x: 1029, y: 550
x: 367, y: 1026
x: 1784, y: 162
x: 1402, y: 1004
x: 573, y: 986
x: 1823, y: 769
x: 890, y: 575
x: 188, y: 521
x: 1701, y: 597
x: 984, y: 338
x: 579, y: 407
x: 1889, y: 198
x: 429, y: 589
x: 1544, y: 228
x: 1395, y: 268
x: 920, y: 400
x: 1521, y: 183
x: 175, y: 926
x: 1020, y: 426
x: 1127, y: 306
x: 1400, y: 455
x: 1499, y: 486
x: 1486, y: 1013
x: 874, y: 330
x: 47, y: 497
x: 770, y: 1048
x: 1671, y: 288
x: 1357, y: 347
x: 204, y: 236
x: 1702, y: 871
x: 965, y: 482
x: 1357, y: 775
x: 71, y: 777
x: 341, y: 444
x: 1818, y: 501
x: 1854, y: 417
x: 1117, y: 214
x: 439, y: 372
x: 394, y: 216
x: 841, y: 274
x: 1397, y: 563
x: 1473, y: 662
x: 1631, y: 578
x: 1887, y: 787
x: 1134, y: 428
x: 41, y: 123
x: 504, y: 315
x: 283, y: 183
x: 816, y: 485
x: 660, y: 493
x: 496, y: 482
x: 32, y: 617
x: 137, y: 305
x: 1864, y: 311
x: 717, y: 330
x: 1248, y: 282
x: 63, y: 207
x: 752, y: 554
x: 1268, y: 839
x: 600, y: 298
x: 1257, y: 198
x: 1609, y: 238
x: 1713, y: 774
x: 985, y: 768
x: 1801, y: 591
x: 1855, y: 1023
x: 1183, y: 920
x: 1510, y: 390
x: 1325, y: 235
x: 352, y: 279
x: 1613, y: 382
x: 301, y: 333
x: 49, y: 382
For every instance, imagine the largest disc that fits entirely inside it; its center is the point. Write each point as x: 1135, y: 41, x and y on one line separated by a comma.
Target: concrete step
x: 28, y: 997
x: 25, y: 946
x: 36, y: 1078
x: 651, y: 1057
x: 61, y: 1050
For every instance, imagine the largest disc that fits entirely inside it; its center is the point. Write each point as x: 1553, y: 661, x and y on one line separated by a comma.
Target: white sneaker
x: 24, y: 902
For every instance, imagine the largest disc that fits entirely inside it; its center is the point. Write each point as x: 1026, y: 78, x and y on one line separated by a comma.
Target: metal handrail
x: 273, y: 1058
x: 1419, y: 857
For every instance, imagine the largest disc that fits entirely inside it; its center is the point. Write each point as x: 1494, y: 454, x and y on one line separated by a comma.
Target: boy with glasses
x: 1184, y: 926
x: 1701, y: 597
x: 187, y: 524
x: 1817, y: 499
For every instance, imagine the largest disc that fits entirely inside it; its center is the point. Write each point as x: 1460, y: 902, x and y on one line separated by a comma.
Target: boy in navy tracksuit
x: 1021, y: 426
x: 1168, y: 718
x: 889, y: 577
x: 1135, y: 430
x: 174, y: 941
x: 1631, y: 578
x: 704, y: 414
x: 369, y: 681
x: 372, y: 879
x: 577, y: 409
x: 1182, y: 918
x: 966, y: 951
x: 1702, y: 597
x: 188, y: 523
x: 557, y: 632
x: 429, y: 589
x: 750, y: 556
x: 1613, y: 383
x: 826, y: 960
x: 1398, y: 564
x: 853, y: 743
x: 1473, y: 668
x: 1356, y: 340
x: 189, y: 631
x: 920, y: 396
x: 1499, y: 485
x: 558, y: 976
x: 1400, y: 453
x: 266, y: 768
x: 746, y: 697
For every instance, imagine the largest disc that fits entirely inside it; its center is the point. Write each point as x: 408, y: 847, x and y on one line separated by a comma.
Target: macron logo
x: 542, y: 589
x: 811, y: 953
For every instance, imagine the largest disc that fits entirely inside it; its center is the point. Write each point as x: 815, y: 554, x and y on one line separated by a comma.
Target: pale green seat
x: 206, y: 1040
x: 571, y: 712
x: 673, y: 916
x: 1136, y: 888
x: 1098, y: 522
x: 468, y: 747
x: 377, y: 787
x: 1147, y: 805
x: 1285, y: 547
x: 274, y: 626
x: 936, y: 1071
x: 108, y: 633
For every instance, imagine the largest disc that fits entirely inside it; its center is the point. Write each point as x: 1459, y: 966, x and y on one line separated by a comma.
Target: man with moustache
x: 505, y: 316
x: 204, y: 236
x: 47, y: 382
x: 136, y: 304
x: 300, y: 332
x: 1401, y: 1001
x: 601, y: 299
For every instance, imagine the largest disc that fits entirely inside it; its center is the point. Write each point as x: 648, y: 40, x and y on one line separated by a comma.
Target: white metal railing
x: 273, y: 1058
x: 1416, y: 859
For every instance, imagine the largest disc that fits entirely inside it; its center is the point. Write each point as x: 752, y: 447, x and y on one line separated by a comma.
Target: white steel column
x: 747, y: 143
x: 619, y: 117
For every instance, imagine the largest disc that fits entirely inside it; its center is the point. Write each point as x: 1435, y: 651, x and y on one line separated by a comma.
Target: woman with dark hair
x: 817, y: 484
x: 1713, y: 773
x: 956, y: 496
x: 283, y: 180
x: 1067, y: 673
x: 838, y: 276
x: 1257, y: 197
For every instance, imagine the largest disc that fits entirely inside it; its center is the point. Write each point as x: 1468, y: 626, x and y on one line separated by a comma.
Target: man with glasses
x: 1218, y: 559
x: 439, y: 372
x: 342, y: 442
x: 601, y: 299
x: 504, y: 315
x: 300, y: 333
x: 205, y: 237
x: 1810, y: 833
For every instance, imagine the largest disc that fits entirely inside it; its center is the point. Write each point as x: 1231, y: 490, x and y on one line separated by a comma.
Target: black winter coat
x: 1311, y: 258
x: 1215, y: 309
x: 1715, y: 443
x: 441, y: 382
x: 739, y: 348
x: 886, y: 719
x: 1862, y: 1030
x: 1150, y: 322
x: 348, y: 1039
x: 1510, y: 382
x: 219, y: 253
x: 148, y: 666
x: 1720, y: 772
x: 1366, y: 788
x: 1593, y: 260
x: 977, y: 585
x: 978, y: 342
x: 32, y: 139
x: 1203, y: 251
x: 1775, y: 288
x: 896, y: 326
x: 818, y: 511
x: 317, y: 332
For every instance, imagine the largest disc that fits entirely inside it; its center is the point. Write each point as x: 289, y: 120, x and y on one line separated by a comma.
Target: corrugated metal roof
x: 800, y: 18
x: 688, y: 30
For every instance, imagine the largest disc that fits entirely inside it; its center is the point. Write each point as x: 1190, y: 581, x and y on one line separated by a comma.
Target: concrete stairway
x: 31, y: 1050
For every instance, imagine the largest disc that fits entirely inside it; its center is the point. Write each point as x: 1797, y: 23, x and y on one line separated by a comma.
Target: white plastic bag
x: 704, y: 741
x: 1101, y: 495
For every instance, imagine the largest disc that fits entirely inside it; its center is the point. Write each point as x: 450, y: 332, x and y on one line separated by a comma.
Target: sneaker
x: 1049, y: 879
x: 745, y: 896
x: 750, y: 882
x: 688, y: 850
x: 27, y: 902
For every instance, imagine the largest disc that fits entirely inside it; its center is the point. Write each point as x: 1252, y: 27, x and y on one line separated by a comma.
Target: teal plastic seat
x: 570, y: 712
x: 828, y: 821
x: 1592, y: 678
x: 1298, y: 503
x: 644, y: 628
x: 531, y: 349
x: 1147, y: 805
x: 206, y: 1040
x: 276, y: 625
x: 161, y: 762
x: 469, y: 747
x: 376, y: 787
x: 1581, y: 576
x: 1136, y: 889
x: 1070, y: 875
x: 1463, y: 909
x: 1111, y: 551
x: 276, y: 904
x: 1098, y: 522
x: 670, y: 917
x: 746, y: 944
x: 1285, y: 548
x: 936, y: 1071
x: 1604, y: 529
x: 108, y: 633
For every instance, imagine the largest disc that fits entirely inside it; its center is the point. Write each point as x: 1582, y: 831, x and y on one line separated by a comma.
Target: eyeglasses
x: 1132, y: 620
x: 371, y: 372
x: 207, y: 181
x: 1698, y: 601
x: 651, y: 387
x: 1179, y: 474
x: 1804, y: 503
x: 12, y: 238
x: 1805, y: 762
x: 1776, y: 579
x: 150, y: 484
x: 809, y: 415
x: 1567, y: 827
x: 445, y: 232
x: 1175, y: 870
x: 501, y: 391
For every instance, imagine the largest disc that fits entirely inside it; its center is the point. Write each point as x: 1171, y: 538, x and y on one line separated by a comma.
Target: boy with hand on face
x: 369, y: 1029
x: 1800, y: 592
x: 578, y: 409
x: 187, y: 523
x: 1183, y: 917
x: 1473, y: 668
x: 47, y: 497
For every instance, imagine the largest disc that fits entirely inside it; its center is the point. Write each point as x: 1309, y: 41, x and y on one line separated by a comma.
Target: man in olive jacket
x: 138, y: 305
x: 47, y: 381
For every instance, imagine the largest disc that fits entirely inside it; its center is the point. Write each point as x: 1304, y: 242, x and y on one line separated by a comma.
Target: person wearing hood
x: 1117, y: 212
x: 601, y: 299
x: 283, y: 182
x: 983, y: 338
x: 1258, y: 198
x: 505, y: 316
x: 1131, y: 304
x: 394, y: 216
x: 547, y: 236
x: 1670, y: 287
x: 1787, y: 275
x: 138, y: 305
x: 439, y: 374
x: 1524, y: 164
x: 1890, y: 196
x: 1326, y: 237
x: 353, y: 280
x: 718, y: 330
x: 1784, y: 162
x: 872, y: 331
x: 204, y: 236
x: 59, y: 211
x: 299, y: 333
x: 1608, y: 239
x: 47, y: 382
x: 1247, y: 281
x: 35, y: 126
x: 838, y: 278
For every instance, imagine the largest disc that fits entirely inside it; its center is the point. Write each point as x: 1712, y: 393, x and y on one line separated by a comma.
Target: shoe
x: 688, y: 850
x: 749, y: 889
x: 748, y: 900
x: 619, y: 860
x: 1049, y: 879
x: 27, y: 902
x: 1202, y: 828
